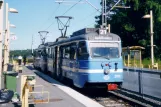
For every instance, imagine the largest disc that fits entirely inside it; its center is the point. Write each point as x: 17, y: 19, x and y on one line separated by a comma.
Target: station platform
x: 60, y: 95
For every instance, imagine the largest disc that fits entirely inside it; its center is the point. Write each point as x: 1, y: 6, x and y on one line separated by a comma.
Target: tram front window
x: 104, y: 50
x: 82, y: 50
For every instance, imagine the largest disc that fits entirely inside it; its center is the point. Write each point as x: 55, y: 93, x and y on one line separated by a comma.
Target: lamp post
x: 13, y: 26
x: 8, y: 52
x: 1, y: 34
x: 151, y: 35
x: 6, y: 41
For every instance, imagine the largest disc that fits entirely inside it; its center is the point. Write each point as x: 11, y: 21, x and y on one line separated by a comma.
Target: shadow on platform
x: 15, y: 105
x: 30, y: 67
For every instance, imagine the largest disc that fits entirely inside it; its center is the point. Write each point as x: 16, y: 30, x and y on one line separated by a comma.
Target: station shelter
x: 132, y: 56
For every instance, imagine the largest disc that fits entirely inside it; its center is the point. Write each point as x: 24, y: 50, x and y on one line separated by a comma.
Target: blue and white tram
x: 89, y: 58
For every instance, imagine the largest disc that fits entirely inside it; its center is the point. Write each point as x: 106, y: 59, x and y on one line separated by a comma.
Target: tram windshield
x: 104, y: 50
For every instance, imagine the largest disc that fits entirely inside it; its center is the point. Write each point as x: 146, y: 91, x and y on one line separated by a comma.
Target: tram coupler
x: 112, y: 87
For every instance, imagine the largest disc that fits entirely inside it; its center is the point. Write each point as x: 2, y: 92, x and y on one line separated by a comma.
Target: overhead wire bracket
x: 63, y: 26
x: 43, y: 35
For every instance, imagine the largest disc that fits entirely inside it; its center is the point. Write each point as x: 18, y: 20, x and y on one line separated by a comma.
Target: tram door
x: 73, y: 62
x: 52, y: 60
x: 61, y: 49
x: 56, y: 58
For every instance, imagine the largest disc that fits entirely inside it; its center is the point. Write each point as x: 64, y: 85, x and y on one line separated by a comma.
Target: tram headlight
x: 106, y: 71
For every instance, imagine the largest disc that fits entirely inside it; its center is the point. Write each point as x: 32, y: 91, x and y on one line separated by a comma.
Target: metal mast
x: 32, y: 42
x: 104, y: 21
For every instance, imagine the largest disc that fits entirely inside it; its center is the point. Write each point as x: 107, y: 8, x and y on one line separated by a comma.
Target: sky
x: 39, y: 15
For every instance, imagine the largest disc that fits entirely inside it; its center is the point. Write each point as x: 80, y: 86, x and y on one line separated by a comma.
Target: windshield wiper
x: 101, y: 56
x: 106, y: 57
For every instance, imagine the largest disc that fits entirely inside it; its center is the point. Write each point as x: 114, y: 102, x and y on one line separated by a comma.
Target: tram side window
x: 52, y: 53
x: 39, y: 53
x: 73, y: 51
x: 43, y: 53
x: 48, y: 52
x: 34, y: 54
x: 67, y: 52
x: 82, y: 50
x: 62, y: 52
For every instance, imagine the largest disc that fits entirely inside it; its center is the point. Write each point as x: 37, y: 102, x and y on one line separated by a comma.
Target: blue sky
x: 38, y: 15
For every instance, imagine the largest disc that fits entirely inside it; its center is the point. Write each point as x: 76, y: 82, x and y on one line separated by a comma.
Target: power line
x: 85, y: 18
x: 71, y: 7
x: 50, y: 16
x: 89, y: 24
x: 105, y: 11
x: 54, y: 12
x: 50, y: 25
x: 64, y: 13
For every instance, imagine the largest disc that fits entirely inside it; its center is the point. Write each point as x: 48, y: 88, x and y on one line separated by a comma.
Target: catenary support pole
x: 5, y: 41
x: 1, y: 34
x: 151, y: 36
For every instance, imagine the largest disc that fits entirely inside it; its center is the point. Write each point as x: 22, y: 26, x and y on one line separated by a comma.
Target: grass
x: 146, y: 62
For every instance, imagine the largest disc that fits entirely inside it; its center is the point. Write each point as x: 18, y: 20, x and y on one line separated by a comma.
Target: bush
x: 30, y: 60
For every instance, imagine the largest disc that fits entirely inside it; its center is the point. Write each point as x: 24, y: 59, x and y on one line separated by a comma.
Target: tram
x: 89, y: 57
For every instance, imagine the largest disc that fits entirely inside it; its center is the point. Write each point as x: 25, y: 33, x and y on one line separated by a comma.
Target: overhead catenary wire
x: 85, y: 18
x: 75, y: 5
x: 71, y: 7
x: 107, y: 11
x: 55, y: 10
x: 113, y: 6
x: 90, y: 24
x: 50, y: 16
x: 64, y: 13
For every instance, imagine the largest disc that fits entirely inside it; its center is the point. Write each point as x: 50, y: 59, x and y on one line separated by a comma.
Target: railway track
x: 106, y: 99
x: 119, y: 98
x: 100, y: 95
x: 139, y: 99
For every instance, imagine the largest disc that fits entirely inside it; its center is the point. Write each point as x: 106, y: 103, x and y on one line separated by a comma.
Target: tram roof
x: 94, y: 36
x: 133, y: 48
x: 45, y: 45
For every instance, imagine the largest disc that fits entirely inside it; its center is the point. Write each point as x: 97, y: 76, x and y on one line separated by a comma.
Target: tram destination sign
x: 103, y: 37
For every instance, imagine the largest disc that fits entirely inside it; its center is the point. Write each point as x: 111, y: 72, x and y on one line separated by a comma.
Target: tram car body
x: 41, y: 57
x: 88, y: 58
x: 37, y: 56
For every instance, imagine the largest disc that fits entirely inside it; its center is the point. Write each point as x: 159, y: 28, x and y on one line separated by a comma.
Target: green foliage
x: 146, y: 62
x: 128, y: 27
x: 30, y: 60
x: 132, y: 28
x: 20, y: 52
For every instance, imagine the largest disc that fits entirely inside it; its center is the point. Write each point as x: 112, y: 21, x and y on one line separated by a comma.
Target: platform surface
x: 60, y: 95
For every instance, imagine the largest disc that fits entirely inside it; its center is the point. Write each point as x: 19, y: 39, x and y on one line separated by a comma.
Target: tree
x: 20, y: 52
x: 131, y: 27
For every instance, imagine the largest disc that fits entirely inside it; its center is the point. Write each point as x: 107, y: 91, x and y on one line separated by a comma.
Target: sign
x: 103, y: 38
x: 14, y: 38
x: 102, y: 31
x: 106, y: 77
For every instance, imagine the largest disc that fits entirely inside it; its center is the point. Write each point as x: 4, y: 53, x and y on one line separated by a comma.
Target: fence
x: 143, y: 81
